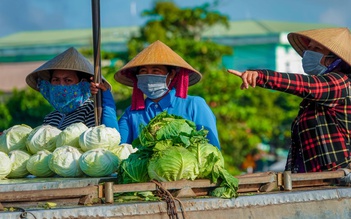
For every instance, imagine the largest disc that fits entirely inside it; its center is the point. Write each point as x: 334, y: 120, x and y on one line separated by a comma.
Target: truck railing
x: 103, y: 190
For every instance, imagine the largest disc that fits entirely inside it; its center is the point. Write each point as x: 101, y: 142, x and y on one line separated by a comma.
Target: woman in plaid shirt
x: 321, y: 131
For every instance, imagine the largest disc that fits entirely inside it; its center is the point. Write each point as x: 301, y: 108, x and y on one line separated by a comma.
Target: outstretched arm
x: 248, y: 77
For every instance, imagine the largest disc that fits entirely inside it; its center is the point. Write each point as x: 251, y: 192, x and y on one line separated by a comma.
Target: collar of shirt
x: 165, y: 102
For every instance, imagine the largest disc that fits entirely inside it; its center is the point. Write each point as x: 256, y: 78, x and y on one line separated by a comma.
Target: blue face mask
x: 65, y: 98
x: 153, y: 86
x: 311, y: 63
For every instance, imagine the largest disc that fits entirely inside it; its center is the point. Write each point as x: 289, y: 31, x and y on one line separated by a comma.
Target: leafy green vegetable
x: 70, y: 135
x: 38, y: 164
x: 172, y: 149
x: 174, y: 163
x: 134, y: 168
x: 5, y: 165
x: 14, y: 138
x: 228, y: 186
x: 98, y: 162
x: 99, y: 137
x: 19, y: 164
x: 165, y: 126
x: 123, y: 150
x: 65, y: 162
x: 209, y: 159
x: 42, y: 138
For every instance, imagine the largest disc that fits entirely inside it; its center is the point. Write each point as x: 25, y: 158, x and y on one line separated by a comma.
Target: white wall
x: 287, y: 59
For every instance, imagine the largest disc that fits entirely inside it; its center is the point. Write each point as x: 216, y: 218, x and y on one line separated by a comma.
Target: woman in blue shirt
x: 163, y: 77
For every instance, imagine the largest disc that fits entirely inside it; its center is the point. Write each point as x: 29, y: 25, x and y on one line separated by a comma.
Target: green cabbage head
x: 42, y: 138
x: 70, y: 135
x: 19, y: 164
x: 38, y: 164
x: 5, y: 165
x: 99, y: 137
x: 98, y: 162
x: 134, y: 168
x: 173, y: 163
x: 65, y: 162
x: 14, y: 138
x: 209, y: 159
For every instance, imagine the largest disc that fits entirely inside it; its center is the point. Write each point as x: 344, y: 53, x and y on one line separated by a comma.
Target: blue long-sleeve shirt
x: 193, y: 108
x: 109, y: 116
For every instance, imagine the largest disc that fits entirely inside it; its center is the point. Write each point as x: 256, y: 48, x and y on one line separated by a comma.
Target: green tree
x: 5, y: 117
x: 26, y: 107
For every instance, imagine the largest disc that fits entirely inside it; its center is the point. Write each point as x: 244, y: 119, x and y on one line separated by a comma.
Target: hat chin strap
x: 182, y: 83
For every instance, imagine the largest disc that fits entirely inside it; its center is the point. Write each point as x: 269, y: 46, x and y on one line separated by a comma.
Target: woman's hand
x: 94, y: 87
x: 248, y: 77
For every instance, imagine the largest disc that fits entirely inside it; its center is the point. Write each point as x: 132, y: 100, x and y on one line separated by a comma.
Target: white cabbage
x: 123, y: 150
x: 5, y: 165
x: 42, y: 138
x: 70, y: 135
x: 14, y: 138
x: 99, y: 137
x: 38, y: 164
x: 99, y: 162
x: 65, y: 161
x: 19, y: 164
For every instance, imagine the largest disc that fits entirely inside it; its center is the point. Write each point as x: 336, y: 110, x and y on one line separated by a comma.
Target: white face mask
x: 153, y: 86
x: 311, y: 63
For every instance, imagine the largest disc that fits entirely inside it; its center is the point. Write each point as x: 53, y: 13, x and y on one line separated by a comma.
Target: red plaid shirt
x: 321, y: 131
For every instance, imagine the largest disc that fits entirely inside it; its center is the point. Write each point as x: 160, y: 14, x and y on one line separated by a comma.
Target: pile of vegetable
x: 45, y: 151
x: 170, y: 148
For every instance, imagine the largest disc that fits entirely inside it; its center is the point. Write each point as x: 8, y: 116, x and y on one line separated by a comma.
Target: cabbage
x: 5, y: 165
x: 174, y: 163
x: 134, y: 168
x: 42, y: 138
x: 19, y: 164
x: 38, y: 164
x: 14, y: 138
x: 123, y: 150
x: 209, y: 159
x: 70, y: 135
x: 98, y: 162
x: 165, y: 126
x: 99, y: 137
x: 65, y: 162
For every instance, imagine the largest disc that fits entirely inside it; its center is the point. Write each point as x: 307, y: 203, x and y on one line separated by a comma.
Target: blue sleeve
x: 109, y: 115
x: 204, y: 117
x: 125, y: 128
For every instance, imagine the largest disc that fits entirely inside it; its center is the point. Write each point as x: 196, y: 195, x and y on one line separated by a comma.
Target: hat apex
x: 156, y: 53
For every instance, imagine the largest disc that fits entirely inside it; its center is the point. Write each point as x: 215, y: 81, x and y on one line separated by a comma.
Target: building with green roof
x: 256, y: 44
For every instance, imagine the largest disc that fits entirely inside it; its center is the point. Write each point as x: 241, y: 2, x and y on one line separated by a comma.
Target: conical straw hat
x: 156, y: 53
x: 337, y: 40
x: 70, y: 59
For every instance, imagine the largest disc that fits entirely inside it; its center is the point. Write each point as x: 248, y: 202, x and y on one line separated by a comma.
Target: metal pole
x: 97, y: 58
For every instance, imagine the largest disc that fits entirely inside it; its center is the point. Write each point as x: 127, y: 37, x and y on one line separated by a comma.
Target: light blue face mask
x: 153, y: 86
x: 311, y: 63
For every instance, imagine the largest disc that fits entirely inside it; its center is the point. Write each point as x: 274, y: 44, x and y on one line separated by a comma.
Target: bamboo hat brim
x: 336, y: 40
x: 70, y: 59
x: 156, y: 53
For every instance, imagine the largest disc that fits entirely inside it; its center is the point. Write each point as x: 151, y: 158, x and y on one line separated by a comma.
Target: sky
x: 34, y: 15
